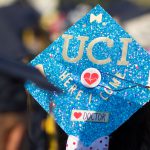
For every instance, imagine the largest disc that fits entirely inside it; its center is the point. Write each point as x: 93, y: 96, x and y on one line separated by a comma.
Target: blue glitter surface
x: 125, y: 99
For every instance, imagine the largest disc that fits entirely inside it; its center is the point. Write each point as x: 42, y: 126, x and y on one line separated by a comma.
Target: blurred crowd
x: 26, y: 28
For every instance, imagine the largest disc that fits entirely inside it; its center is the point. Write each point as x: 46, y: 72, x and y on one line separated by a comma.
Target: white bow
x: 74, y: 143
x: 96, y: 18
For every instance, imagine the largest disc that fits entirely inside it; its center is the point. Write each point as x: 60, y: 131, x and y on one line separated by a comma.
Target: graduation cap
x: 103, y: 73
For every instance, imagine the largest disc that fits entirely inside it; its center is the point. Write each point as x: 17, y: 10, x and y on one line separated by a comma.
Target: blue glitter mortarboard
x: 103, y: 73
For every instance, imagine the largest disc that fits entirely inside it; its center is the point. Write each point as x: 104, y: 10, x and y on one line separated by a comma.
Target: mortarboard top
x: 103, y: 73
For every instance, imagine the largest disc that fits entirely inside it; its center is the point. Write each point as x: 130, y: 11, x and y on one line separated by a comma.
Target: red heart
x: 77, y: 115
x: 90, y: 78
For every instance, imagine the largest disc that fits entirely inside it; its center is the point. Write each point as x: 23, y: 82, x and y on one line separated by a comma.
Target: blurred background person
x: 15, y: 18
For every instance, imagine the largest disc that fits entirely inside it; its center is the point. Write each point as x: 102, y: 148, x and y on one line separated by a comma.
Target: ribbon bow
x: 96, y: 18
x: 74, y: 143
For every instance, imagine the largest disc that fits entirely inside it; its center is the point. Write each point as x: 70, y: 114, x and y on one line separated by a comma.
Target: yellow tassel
x: 50, y: 128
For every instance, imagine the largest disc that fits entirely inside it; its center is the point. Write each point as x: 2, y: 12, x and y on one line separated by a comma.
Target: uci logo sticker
x: 90, y: 78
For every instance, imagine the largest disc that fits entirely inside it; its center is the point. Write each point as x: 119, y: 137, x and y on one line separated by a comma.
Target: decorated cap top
x: 103, y: 73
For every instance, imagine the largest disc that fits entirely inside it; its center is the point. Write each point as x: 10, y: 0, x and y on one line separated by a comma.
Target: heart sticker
x: 90, y: 78
x: 77, y: 115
